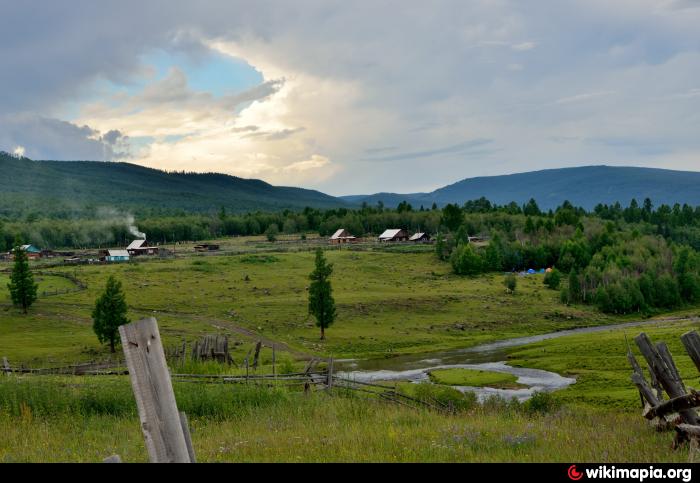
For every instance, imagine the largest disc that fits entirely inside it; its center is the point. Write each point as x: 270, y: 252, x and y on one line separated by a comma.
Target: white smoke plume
x: 113, y: 216
x: 133, y: 229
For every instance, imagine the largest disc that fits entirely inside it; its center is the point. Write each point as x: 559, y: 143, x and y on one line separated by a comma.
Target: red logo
x: 573, y: 474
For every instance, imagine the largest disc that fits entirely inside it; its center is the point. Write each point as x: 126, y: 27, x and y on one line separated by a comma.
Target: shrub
x: 553, y: 279
x: 465, y: 261
x: 272, y: 232
x: 444, y: 396
x: 541, y: 403
x: 510, y: 282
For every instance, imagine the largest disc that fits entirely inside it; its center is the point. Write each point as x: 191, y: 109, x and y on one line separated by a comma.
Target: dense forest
x: 582, y: 186
x: 637, y: 258
x: 82, y: 189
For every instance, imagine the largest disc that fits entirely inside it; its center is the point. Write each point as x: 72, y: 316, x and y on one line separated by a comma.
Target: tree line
x: 624, y: 260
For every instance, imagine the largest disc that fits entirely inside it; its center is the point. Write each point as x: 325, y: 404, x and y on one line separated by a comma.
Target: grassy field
x: 474, y: 378
x: 387, y: 303
x: 246, y: 424
x: 599, y: 364
x: 390, y: 301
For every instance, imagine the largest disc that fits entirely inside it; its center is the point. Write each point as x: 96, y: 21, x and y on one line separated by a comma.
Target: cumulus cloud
x: 40, y: 137
x: 539, y: 81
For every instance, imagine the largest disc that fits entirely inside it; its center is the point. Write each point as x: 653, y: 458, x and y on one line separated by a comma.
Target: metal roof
x: 136, y: 244
x: 337, y: 234
x: 117, y: 253
x: 417, y: 236
x: 390, y: 233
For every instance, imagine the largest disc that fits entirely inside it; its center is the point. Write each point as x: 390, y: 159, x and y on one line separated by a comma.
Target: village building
x: 206, y: 247
x: 342, y: 236
x: 394, y: 235
x: 33, y: 253
x: 140, y: 247
x: 116, y: 256
x: 477, y: 239
x: 420, y: 238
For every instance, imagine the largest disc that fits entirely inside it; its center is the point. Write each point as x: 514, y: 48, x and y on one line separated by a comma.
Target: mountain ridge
x: 583, y: 186
x: 67, y: 186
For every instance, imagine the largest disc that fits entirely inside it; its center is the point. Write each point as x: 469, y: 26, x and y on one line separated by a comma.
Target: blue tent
x: 531, y: 271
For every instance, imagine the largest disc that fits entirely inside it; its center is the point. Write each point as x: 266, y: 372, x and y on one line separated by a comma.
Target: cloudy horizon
x: 353, y: 98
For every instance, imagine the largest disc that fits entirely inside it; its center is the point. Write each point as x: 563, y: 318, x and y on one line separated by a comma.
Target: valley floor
x: 388, y: 303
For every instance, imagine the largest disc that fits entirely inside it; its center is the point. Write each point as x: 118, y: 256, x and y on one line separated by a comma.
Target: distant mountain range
x: 70, y: 187
x: 584, y: 186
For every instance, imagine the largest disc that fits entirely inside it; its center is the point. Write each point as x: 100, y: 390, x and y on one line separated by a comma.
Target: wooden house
x: 140, y: 247
x: 394, y: 235
x: 116, y: 256
x: 33, y: 253
x: 341, y: 236
x: 420, y: 238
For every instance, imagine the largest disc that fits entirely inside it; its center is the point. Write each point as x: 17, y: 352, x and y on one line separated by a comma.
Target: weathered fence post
x: 188, y: 437
x: 274, y: 370
x: 330, y: 374
x: 258, y: 346
x: 155, y: 399
x: 668, y: 360
x: 6, y: 366
x: 691, y: 342
x: 667, y: 374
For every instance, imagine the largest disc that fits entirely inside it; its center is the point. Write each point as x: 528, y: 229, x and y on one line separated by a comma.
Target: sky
x: 353, y: 97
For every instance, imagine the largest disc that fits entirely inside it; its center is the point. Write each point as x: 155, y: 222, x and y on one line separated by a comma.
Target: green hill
x: 70, y: 188
x: 584, y: 186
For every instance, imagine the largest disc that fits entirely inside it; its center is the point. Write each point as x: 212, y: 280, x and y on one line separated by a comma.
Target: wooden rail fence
x: 677, y: 410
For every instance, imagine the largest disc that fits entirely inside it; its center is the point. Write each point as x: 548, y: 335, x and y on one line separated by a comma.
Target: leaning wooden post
x: 155, y: 399
x: 668, y: 360
x: 666, y: 375
x: 645, y: 391
x: 274, y: 370
x: 691, y: 342
x: 188, y: 437
x: 330, y: 374
x: 258, y: 346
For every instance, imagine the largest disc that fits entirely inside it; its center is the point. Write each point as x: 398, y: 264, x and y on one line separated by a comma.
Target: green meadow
x: 389, y: 302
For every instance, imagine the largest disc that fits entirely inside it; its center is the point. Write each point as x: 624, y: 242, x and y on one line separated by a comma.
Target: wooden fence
x: 675, y: 411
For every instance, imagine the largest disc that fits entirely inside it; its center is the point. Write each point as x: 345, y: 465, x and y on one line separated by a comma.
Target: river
x: 485, y: 357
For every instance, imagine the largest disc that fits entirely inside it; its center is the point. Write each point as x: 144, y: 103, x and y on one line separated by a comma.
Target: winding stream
x: 485, y: 357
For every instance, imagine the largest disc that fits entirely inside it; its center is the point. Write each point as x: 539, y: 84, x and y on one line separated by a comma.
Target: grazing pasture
x: 398, y: 300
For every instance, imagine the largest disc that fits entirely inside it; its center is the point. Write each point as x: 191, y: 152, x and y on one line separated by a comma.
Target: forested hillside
x: 67, y: 189
x: 584, y: 186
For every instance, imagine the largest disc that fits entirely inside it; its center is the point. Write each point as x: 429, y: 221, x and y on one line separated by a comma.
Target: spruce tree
x: 110, y: 313
x: 23, y: 290
x: 321, y: 303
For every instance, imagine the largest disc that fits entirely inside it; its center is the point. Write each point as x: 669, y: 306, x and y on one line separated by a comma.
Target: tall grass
x: 51, y: 396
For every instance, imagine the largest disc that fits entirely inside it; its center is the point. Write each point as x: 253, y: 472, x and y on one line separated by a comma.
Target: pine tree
x: 321, y: 303
x: 110, y: 313
x: 23, y: 290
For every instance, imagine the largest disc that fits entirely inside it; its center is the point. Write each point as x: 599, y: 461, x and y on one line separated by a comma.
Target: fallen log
x: 674, y: 405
